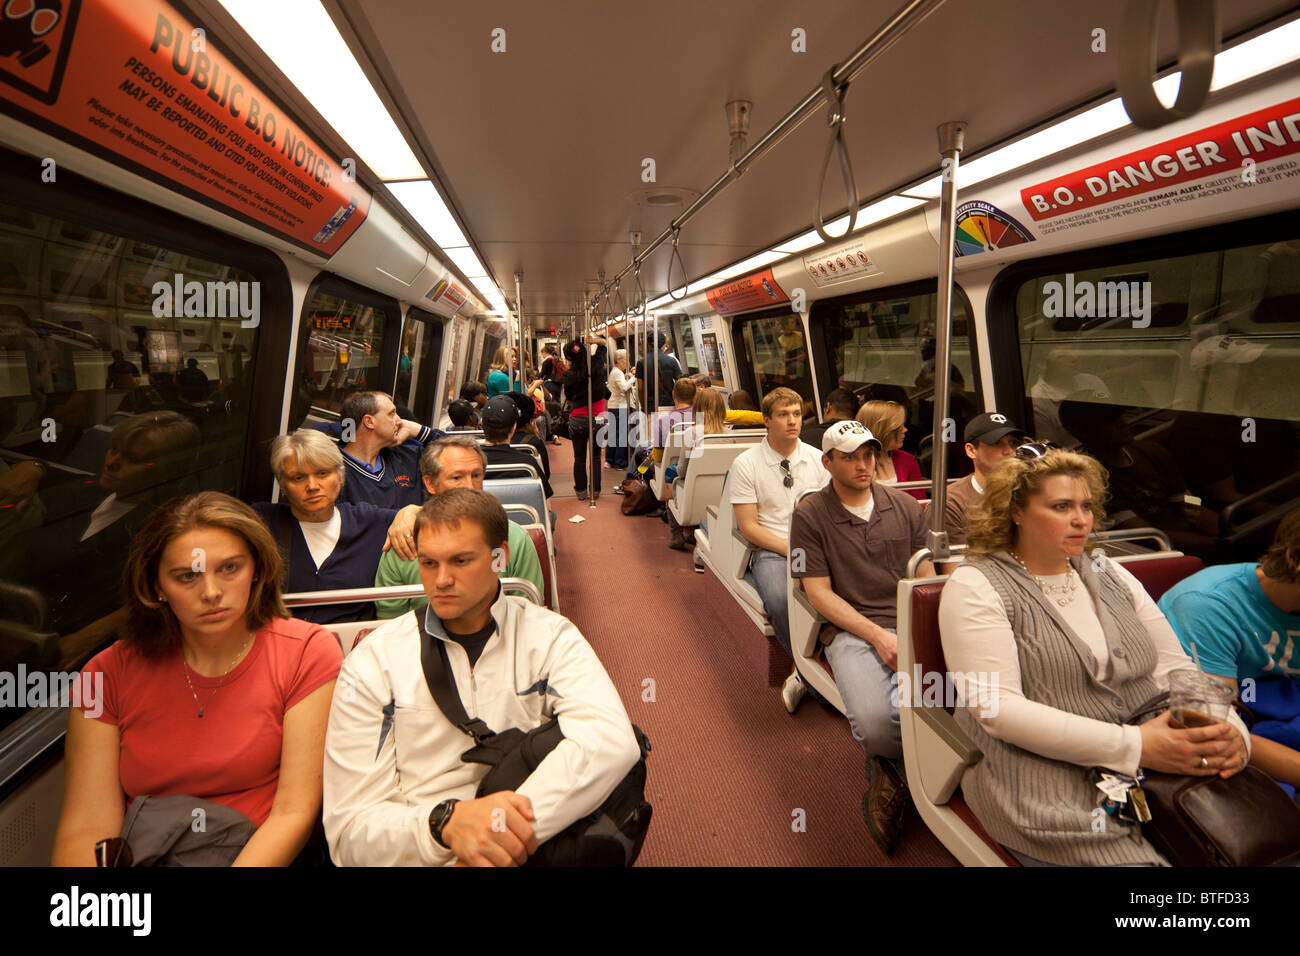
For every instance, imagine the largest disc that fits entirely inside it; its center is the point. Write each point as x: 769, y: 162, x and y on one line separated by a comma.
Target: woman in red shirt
x: 886, y: 420
x: 213, y: 693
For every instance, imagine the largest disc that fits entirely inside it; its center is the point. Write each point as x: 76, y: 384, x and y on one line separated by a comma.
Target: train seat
x: 518, y: 470
x: 936, y: 751
x: 725, y: 552
x: 710, y: 460
x: 677, y: 445
x: 527, y: 516
x: 521, y: 491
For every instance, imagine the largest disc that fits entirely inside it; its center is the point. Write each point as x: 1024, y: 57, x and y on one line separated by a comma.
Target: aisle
x: 731, y: 774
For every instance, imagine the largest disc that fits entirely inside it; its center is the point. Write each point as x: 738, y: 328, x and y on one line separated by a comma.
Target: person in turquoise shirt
x: 1244, y: 622
x: 455, y: 462
x: 498, y: 382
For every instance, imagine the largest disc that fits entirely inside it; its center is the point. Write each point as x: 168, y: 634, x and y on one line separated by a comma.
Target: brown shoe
x: 677, y: 541
x: 884, y: 803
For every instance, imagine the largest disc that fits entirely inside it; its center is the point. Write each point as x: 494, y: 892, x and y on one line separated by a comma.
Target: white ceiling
x: 539, y: 147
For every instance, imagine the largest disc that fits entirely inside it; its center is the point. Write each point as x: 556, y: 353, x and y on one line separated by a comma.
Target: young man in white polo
x: 765, y: 482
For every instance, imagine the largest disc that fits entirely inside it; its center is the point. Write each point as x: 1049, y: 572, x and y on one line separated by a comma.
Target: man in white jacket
x: 396, y: 792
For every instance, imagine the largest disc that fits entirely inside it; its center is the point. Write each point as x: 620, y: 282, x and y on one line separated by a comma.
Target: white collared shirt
x: 758, y: 478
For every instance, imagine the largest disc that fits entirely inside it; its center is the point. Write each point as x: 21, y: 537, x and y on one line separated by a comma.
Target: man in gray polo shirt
x: 849, y: 546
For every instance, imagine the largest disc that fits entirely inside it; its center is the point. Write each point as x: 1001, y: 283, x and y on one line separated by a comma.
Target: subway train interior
x: 234, y: 214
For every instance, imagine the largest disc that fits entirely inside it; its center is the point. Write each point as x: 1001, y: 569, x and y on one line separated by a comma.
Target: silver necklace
x: 185, y: 667
x: 1066, y: 590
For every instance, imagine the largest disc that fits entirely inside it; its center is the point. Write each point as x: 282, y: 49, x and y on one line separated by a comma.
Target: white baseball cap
x: 848, y: 437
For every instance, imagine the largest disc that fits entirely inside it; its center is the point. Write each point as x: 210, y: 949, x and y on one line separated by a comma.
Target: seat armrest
x: 806, y: 603
x: 712, y: 512
x: 945, y: 728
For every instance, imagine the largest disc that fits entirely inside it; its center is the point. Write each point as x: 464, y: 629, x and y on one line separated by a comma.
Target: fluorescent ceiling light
x: 420, y: 198
x: 466, y: 261
x: 1245, y: 60
x: 740, y: 268
x: 303, y: 42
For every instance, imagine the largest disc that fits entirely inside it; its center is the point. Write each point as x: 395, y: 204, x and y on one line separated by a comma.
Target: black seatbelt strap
x: 437, y: 674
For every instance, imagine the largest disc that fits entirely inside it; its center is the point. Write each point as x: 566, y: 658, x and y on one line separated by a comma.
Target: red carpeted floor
x: 734, y: 779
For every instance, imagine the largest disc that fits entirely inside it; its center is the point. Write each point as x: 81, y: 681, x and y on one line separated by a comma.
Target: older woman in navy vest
x: 1057, y: 647
x: 327, y: 544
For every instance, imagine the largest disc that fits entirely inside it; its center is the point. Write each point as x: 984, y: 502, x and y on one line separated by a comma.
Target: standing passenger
x: 580, y: 417
x: 622, y: 397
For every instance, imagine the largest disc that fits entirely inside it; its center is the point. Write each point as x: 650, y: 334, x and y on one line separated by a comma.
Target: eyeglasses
x: 1035, y: 449
x: 113, y: 852
x: 788, y: 480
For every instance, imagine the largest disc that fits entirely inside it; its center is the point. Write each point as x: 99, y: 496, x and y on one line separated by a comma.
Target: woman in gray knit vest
x: 1055, y: 648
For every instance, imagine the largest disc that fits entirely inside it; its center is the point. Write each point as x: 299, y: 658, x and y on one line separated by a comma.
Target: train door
x: 419, y: 363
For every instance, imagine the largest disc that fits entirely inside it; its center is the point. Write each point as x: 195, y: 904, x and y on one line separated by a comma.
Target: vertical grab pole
x: 952, y: 137
x: 652, y: 352
x: 519, y: 310
x: 592, y: 474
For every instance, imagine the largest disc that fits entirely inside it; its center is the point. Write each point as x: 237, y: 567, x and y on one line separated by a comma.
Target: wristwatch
x: 438, y: 818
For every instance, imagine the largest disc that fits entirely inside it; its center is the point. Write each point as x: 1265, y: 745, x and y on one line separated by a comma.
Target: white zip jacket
x: 391, y: 755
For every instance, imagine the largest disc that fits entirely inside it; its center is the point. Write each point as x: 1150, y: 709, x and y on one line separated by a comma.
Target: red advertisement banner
x: 137, y: 82
x: 751, y: 292
x: 1258, y: 137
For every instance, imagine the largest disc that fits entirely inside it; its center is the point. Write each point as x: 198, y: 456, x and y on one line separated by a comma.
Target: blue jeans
x: 616, y: 453
x: 869, y: 689
x: 767, y: 575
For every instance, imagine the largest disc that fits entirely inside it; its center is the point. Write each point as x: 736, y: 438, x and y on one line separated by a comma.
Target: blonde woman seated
x: 887, y: 421
x: 709, y: 412
x: 1064, y: 647
x: 213, y: 695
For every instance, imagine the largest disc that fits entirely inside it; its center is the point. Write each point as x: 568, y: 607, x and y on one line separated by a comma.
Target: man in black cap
x: 501, y: 416
x: 989, y: 438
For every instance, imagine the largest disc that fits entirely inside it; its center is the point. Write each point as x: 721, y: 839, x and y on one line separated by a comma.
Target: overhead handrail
x: 669, y: 278
x: 835, y: 120
x: 890, y: 32
x: 1198, y: 45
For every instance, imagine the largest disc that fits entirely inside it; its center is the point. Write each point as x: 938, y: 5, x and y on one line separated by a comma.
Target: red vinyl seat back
x: 1158, y: 575
x: 926, y: 645
x: 538, y: 535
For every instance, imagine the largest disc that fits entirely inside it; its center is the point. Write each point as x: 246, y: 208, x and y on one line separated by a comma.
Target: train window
x: 774, y: 346
x: 342, y: 351
x: 125, y: 379
x: 417, y: 366
x: 880, y: 345
x: 494, y: 337
x: 685, y: 344
x: 1178, y: 373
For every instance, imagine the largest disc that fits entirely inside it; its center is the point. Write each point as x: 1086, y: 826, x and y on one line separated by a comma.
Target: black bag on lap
x: 611, y: 835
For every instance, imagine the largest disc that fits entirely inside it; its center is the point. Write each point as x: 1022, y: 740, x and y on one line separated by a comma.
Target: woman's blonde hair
x: 884, y: 420
x: 499, y: 359
x: 710, y: 412
x: 153, y: 627
x: 989, y: 525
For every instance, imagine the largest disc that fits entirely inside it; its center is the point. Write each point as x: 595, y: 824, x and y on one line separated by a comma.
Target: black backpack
x: 611, y: 835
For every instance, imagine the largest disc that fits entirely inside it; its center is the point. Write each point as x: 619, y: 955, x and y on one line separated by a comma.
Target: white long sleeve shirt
x: 977, y: 639
x: 391, y: 755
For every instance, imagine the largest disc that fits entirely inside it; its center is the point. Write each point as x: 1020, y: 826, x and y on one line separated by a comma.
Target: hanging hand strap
x: 835, y: 120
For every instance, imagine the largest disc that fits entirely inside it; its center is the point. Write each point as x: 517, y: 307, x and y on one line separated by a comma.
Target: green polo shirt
x: 394, y: 571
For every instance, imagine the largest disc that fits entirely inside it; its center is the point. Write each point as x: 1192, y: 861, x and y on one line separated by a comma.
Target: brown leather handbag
x: 638, y: 499
x: 1245, y: 820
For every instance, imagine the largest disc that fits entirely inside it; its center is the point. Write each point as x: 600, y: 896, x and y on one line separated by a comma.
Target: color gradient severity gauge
x: 982, y: 227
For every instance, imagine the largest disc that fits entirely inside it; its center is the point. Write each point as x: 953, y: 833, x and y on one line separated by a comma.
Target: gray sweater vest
x: 1030, y: 803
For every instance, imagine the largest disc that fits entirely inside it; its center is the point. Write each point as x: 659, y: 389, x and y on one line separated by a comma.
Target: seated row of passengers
x: 1068, y: 646
x: 219, y: 702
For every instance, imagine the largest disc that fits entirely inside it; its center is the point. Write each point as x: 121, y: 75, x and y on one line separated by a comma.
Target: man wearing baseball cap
x: 849, y: 546
x: 989, y: 438
x: 501, y: 416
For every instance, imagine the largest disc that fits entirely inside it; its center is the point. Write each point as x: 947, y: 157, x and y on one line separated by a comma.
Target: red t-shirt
x: 231, y: 755
x: 907, y: 468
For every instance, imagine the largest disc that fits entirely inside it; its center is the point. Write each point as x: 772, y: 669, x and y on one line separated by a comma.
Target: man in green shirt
x: 455, y: 462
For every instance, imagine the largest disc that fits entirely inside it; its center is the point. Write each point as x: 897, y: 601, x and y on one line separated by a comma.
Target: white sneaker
x: 792, y: 691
